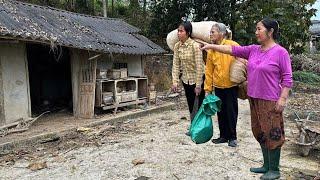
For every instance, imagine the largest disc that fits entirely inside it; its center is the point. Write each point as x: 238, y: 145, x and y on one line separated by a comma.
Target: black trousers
x: 190, y: 95
x: 227, y: 117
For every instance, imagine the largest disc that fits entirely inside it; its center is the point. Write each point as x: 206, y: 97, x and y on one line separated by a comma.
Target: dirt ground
x: 155, y: 147
x: 64, y: 120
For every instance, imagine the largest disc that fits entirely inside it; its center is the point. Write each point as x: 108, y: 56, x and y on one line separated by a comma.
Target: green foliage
x: 215, y: 10
x: 130, y: 11
x: 156, y: 18
x: 242, y: 16
x: 166, y: 16
x: 52, y: 3
x: 79, y: 6
x: 292, y: 15
x: 121, y: 9
x: 85, y: 6
x: 306, y: 77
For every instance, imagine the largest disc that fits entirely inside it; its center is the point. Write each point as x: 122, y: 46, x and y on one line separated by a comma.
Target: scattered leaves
x: 138, y: 161
x: 84, y: 129
x: 37, y: 166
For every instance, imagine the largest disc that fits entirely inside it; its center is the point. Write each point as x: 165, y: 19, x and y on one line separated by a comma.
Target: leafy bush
x: 306, y: 62
x: 306, y: 77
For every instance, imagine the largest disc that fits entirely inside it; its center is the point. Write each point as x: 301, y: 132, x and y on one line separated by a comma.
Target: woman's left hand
x: 197, y: 90
x: 281, y: 104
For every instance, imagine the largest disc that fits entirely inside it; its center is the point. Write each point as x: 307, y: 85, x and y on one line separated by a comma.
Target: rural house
x: 315, y: 34
x: 51, y: 58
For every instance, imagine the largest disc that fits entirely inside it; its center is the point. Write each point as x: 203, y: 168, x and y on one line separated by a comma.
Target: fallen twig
x: 70, y: 149
x: 18, y: 130
x: 12, y: 124
x: 17, y: 127
x: 297, y: 115
x: 34, y: 119
x: 174, y: 175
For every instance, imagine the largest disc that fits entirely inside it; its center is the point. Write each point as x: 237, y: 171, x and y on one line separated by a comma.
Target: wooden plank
x: 84, y: 84
x: 87, y: 100
x: 27, y: 79
x: 124, y: 104
x: 2, y: 120
x: 75, y: 66
x: 87, y: 86
x: 8, y: 41
x: 98, y: 95
x: 50, y: 43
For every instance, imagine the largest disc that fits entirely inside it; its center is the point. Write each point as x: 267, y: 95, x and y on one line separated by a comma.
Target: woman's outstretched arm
x: 227, y: 49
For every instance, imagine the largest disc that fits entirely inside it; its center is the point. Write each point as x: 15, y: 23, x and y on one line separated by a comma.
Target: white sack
x: 200, y: 30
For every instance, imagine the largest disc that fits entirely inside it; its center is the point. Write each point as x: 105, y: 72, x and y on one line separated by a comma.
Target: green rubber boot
x: 265, y: 166
x: 274, y: 159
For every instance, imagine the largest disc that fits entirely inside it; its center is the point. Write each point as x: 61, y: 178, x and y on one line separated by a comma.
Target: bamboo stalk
x: 104, y: 4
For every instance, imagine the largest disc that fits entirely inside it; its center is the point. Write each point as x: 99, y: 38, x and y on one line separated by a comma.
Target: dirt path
x: 159, y: 144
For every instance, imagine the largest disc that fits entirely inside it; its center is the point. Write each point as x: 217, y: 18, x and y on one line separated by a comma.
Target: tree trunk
x: 144, y: 6
x: 73, y: 5
x: 93, y: 7
x: 112, y: 7
x: 104, y: 5
x: 232, y: 18
x: 134, y: 5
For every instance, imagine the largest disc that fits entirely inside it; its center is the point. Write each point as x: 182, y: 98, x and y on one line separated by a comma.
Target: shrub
x: 306, y: 62
x: 306, y: 77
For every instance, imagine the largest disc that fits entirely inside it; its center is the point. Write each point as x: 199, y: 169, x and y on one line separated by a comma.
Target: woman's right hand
x: 206, y: 47
x: 281, y: 104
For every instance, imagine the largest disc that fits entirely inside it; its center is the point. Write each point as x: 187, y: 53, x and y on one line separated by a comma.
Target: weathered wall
x: 135, y: 63
x: 15, y: 82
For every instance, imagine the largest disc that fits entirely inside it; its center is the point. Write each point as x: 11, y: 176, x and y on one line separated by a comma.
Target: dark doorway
x: 49, y: 78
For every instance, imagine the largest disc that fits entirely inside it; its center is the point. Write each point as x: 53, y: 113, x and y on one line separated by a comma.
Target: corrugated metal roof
x: 315, y: 27
x: 50, y: 25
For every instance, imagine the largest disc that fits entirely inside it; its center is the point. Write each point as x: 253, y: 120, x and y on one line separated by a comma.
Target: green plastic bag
x: 201, y: 128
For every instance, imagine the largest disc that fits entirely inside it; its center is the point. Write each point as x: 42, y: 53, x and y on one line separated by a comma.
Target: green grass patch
x: 306, y: 77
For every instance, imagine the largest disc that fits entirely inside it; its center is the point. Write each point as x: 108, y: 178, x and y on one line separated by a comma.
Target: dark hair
x: 271, y: 23
x: 187, y: 27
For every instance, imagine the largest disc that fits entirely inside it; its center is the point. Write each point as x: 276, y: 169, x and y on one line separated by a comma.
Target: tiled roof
x: 49, y: 25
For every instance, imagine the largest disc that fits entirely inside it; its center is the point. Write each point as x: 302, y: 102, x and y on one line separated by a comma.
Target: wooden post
x: 2, y: 120
x: 112, y: 8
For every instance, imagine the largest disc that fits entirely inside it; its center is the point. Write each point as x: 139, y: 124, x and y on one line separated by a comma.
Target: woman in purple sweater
x: 269, y: 82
